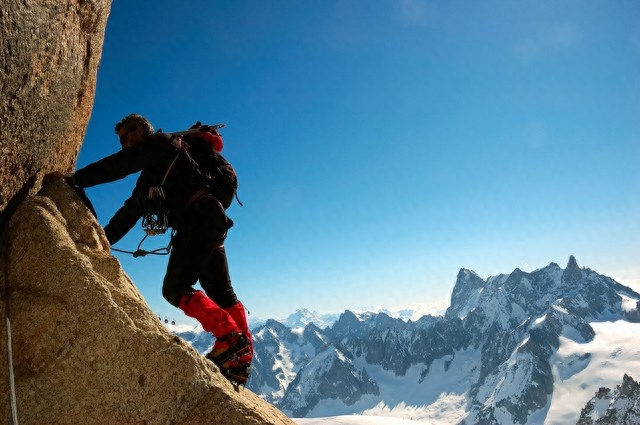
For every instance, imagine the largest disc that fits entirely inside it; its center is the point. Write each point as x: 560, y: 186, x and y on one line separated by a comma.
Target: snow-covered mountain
x: 356, y: 420
x: 618, y: 406
x: 519, y: 348
x: 304, y: 317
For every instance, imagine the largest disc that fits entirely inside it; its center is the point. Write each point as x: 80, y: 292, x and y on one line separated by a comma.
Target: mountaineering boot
x: 239, y: 370
x: 238, y: 314
x: 228, y: 353
x: 230, y: 344
x: 228, y: 350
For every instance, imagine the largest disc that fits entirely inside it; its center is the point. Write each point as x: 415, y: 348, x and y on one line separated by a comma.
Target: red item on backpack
x: 214, y: 140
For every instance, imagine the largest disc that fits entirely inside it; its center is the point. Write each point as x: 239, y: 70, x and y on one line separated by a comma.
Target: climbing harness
x: 157, y: 222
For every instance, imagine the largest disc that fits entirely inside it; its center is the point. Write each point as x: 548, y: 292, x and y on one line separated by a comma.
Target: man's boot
x: 240, y: 369
x: 239, y: 315
x: 231, y: 343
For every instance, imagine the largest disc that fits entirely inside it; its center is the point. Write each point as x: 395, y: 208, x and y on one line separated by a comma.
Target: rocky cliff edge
x: 86, y: 347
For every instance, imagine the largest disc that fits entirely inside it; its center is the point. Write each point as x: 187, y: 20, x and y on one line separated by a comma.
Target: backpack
x: 214, y: 171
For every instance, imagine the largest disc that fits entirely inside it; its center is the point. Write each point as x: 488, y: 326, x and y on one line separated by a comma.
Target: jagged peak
x: 466, y: 273
x: 466, y: 291
x: 312, y: 327
x: 348, y: 314
x: 304, y: 312
x: 517, y: 273
x: 276, y: 325
x: 627, y: 381
x: 572, y: 272
x: 516, y: 277
x: 346, y: 320
x: 467, y: 279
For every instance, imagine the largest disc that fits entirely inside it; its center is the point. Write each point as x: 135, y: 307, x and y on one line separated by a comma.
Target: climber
x: 197, y: 212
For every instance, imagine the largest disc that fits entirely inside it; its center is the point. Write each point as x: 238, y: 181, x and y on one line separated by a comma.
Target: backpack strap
x: 175, y: 158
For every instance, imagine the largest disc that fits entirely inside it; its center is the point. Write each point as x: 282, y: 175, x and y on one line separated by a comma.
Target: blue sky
x: 383, y: 145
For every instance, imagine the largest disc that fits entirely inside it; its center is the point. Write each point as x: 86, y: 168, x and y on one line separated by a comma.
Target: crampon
x: 227, y: 354
x: 237, y: 375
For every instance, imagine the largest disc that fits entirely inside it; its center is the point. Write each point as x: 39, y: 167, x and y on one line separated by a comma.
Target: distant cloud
x: 629, y: 277
x: 553, y: 38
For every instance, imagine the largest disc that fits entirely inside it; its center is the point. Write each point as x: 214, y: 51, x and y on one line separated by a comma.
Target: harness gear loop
x: 157, y: 223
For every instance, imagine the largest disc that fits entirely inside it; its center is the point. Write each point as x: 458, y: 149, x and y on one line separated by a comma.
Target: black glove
x: 71, y: 181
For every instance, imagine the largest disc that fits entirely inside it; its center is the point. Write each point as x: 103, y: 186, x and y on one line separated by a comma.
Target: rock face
x: 86, y: 347
x: 620, y: 406
x: 49, y: 55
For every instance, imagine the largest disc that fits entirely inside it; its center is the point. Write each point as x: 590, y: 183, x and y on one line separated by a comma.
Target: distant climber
x: 184, y: 178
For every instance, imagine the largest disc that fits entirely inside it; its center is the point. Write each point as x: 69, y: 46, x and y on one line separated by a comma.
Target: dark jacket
x: 153, y: 157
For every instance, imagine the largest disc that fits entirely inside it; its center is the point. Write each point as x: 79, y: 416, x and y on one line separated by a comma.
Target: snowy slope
x: 580, y: 369
x: 356, y: 420
x: 442, y: 398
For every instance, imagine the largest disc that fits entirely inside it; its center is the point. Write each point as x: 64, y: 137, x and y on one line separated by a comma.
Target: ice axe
x: 196, y: 128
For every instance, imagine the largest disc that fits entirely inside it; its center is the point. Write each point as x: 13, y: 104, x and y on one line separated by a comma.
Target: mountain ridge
x: 500, y: 345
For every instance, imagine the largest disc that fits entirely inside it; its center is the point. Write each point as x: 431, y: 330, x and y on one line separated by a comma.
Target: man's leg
x: 185, y: 264
x: 216, y: 283
x: 193, y: 248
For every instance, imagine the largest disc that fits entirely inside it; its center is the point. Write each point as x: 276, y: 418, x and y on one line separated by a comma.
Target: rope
x: 12, y: 384
x: 139, y: 252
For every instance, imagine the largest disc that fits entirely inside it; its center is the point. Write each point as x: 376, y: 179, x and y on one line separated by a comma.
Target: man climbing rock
x: 187, y: 181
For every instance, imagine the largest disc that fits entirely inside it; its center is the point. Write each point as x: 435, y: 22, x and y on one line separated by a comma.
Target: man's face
x: 130, y: 137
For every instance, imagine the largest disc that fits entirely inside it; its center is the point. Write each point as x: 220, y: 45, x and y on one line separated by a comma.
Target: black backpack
x: 214, y: 171
x: 211, y: 171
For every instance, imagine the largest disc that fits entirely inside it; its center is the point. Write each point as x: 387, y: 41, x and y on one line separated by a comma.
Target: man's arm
x: 125, y: 218
x: 121, y: 164
x: 111, y: 168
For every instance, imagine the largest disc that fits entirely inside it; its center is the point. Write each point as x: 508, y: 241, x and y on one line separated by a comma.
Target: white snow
x: 614, y: 352
x: 356, y: 420
x: 628, y: 303
x: 449, y: 408
x: 600, y: 408
x: 438, y: 399
x: 580, y: 369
